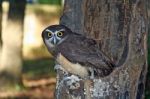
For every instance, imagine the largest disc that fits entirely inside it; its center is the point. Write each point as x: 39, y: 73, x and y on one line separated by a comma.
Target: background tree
x: 120, y: 28
x: 0, y: 27
x: 12, y: 38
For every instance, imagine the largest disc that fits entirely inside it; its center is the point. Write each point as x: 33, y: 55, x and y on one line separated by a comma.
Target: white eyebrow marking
x: 48, y: 30
x: 60, y: 30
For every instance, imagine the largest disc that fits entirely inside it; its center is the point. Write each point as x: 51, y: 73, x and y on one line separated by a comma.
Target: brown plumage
x: 77, y: 49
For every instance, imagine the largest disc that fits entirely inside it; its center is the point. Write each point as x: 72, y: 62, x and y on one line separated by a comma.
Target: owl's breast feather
x: 76, y: 68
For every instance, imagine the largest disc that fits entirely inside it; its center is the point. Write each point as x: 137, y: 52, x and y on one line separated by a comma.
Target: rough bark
x: 12, y: 36
x: 120, y: 28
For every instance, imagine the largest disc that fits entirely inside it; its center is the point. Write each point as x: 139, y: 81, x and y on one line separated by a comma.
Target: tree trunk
x: 11, y: 58
x: 0, y: 29
x: 120, y: 29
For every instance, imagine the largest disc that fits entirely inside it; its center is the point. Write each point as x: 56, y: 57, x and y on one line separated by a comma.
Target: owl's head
x: 54, y: 35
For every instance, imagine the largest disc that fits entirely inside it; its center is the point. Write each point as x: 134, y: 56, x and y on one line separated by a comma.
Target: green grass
x: 54, y: 2
x: 38, y: 68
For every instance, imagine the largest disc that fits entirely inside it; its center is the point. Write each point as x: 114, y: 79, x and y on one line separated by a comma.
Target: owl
x: 76, y: 53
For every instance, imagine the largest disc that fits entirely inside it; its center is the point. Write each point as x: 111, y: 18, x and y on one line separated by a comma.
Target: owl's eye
x: 49, y: 34
x: 60, y: 34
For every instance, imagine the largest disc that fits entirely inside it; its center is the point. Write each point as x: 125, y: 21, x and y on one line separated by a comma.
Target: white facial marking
x: 48, y: 30
x: 55, y: 39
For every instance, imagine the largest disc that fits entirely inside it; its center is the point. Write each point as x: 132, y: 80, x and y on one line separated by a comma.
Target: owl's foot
x: 99, y: 72
x: 72, y: 82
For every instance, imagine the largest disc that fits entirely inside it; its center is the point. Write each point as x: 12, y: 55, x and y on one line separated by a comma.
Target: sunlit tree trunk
x: 11, y: 58
x: 0, y: 29
x: 120, y: 28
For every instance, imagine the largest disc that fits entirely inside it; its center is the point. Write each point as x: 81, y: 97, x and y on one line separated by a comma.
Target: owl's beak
x: 54, y: 41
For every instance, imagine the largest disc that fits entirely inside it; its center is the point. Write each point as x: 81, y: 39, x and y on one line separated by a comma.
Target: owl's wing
x: 86, y: 53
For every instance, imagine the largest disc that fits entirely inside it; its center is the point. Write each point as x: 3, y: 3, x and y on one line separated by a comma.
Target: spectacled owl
x: 76, y: 53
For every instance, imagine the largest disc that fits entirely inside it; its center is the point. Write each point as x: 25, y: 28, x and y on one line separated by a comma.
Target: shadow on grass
x: 38, y: 68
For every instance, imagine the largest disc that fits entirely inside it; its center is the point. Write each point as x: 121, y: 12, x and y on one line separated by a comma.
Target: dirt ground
x: 34, y: 89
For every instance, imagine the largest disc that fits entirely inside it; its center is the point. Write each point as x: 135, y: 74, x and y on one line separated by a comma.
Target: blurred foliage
x: 51, y: 10
x: 40, y: 52
x: 54, y: 2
